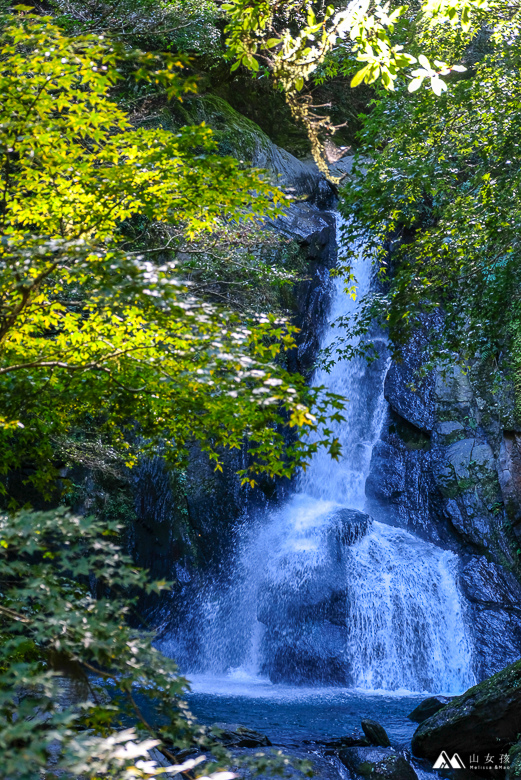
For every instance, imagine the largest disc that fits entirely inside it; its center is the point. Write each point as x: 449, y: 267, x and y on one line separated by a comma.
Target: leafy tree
x: 178, y: 25
x: 98, y: 339
x: 53, y: 629
x: 437, y: 201
x: 95, y: 336
x: 296, y: 40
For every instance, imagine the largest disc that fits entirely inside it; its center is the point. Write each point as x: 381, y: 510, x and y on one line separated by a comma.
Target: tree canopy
x: 93, y: 334
x: 103, y: 340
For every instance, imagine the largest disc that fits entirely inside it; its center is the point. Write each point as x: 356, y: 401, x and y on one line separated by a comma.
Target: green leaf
x: 360, y: 76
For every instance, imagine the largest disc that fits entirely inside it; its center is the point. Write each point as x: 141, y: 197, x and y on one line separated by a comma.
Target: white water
x: 384, y: 614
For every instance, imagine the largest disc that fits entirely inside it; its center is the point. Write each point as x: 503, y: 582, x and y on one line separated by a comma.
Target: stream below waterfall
x: 328, y: 616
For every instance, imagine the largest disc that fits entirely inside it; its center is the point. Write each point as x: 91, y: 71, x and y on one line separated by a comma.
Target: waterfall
x: 322, y: 594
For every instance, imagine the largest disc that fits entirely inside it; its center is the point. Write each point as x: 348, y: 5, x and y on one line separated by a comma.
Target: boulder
x: 385, y: 764
x: 161, y: 761
x: 303, y: 222
x: 313, y: 652
x: 495, y: 613
x: 375, y: 733
x: 345, y: 527
x: 486, y: 718
x: 427, y: 708
x: 234, y: 735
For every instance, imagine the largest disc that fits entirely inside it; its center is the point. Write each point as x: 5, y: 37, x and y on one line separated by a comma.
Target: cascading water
x: 321, y: 593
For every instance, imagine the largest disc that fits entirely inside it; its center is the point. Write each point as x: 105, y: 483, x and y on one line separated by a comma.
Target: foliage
x: 178, y: 25
x: 73, y: 674
x: 107, y: 348
x: 436, y: 198
x: 362, y: 29
x: 96, y: 336
x: 296, y: 41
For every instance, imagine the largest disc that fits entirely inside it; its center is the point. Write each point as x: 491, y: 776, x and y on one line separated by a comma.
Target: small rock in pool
x: 348, y: 740
x: 375, y: 733
x: 234, y: 735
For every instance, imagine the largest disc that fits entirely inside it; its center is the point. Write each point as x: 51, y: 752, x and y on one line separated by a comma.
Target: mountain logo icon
x: 444, y: 762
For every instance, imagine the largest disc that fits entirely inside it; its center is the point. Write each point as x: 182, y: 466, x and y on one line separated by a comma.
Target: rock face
x: 486, y: 718
x: 307, y: 618
x: 384, y: 764
x: 427, y: 708
x: 509, y: 473
x: 494, y: 596
x: 448, y: 468
x: 375, y: 733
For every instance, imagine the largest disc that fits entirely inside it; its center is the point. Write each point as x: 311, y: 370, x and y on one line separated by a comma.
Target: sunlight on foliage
x: 88, y: 330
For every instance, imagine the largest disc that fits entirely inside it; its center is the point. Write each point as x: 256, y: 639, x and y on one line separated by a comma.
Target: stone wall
x: 448, y: 468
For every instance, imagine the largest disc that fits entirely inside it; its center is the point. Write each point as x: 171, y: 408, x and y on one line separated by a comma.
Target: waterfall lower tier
x: 321, y: 594
x: 406, y: 623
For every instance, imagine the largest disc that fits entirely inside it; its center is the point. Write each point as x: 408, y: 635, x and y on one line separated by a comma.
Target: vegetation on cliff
x: 434, y: 193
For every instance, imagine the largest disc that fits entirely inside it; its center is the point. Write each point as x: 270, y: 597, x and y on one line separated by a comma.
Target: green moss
x: 236, y: 135
x: 410, y: 435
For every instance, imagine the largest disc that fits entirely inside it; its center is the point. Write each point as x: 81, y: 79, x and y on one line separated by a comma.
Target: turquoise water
x: 291, y: 715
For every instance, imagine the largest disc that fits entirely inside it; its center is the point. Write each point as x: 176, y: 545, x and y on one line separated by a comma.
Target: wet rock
x: 311, y: 652
x: 306, y: 618
x: 413, y: 406
x: 509, y: 472
x: 400, y: 487
x: 304, y: 222
x: 356, y: 739
x: 296, y: 177
x: 161, y: 761
x: 495, y: 603
x: 346, y: 527
x: 234, y: 735
x: 452, y: 388
x: 427, y: 708
x: 375, y: 733
x: 385, y: 764
x: 450, y: 431
x: 465, y: 462
x: 487, y: 717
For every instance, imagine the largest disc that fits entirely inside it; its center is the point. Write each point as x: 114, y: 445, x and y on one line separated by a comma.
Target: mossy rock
x: 514, y: 769
x: 235, y: 134
x: 487, y: 717
x: 381, y: 763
